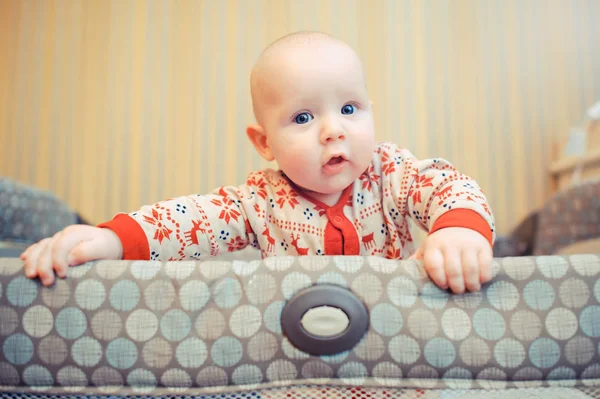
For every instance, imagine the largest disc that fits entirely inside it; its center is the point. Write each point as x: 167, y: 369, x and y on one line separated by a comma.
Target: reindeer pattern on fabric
x: 269, y: 213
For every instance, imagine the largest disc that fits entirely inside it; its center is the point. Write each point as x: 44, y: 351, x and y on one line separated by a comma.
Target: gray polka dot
x: 121, y: 353
x: 335, y: 359
x: 210, y: 324
x: 140, y: 380
x: 353, y: 373
x: 370, y: 348
x: 404, y: 349
x: 227, y: 293
x: 456, y: 324
x: 180, y: 270
x: 518, y: 268
x: 71, y: 323
x: 282, y: 370
x: 58, y: 296
x: 9, y: 376
x: 423, y: 324
x: 79, y: 271
x: 110, y: 270
x: 433, y: 297
x: 526, y: 325
x: 262, y: 347
x: 226, y: 351
x: 243, y: 268
x: 246, y: 374
x: 145, y: 270
x: 489, y: 324
x: 10, y: 268
x: 175, y: 325
x: 191, y: 353
x: 528, y: 375
x: 279, y: 263
x: 316, y: 369
x: 590, y: 373
x: 439, y: 352
x: 261, y: 288
x: 21, y: 291
x: 272, y: 317
x: 293, y: 283
x: 212, y: 376
x: 589, y: 321
x: 503, y: 295
x: 553, y: 267
x: 574, y: 293
x: 176, y: 378
x: 509, y: 353
x: 90, y: 294
x: 386, y: 319
x: 141, y: 325
x: 382, y: 265
x: 157, y: 353
x: 562, y: 376
x: 71, y: 377
x: 387, y: 373
x: 10, y: 320
x: 561, y: 323
x: 38, y: 321
x: 458, y: 378
x: 586, y: 265
x: 245, y: 321
x: 468, y: 300
x: 333, y: 278
x: 349, y: 264
x: 86, y: 352
x: 544, y: 353
x: 579, y: 350
x: 38, y: 376
x: 194, y: 295
x: 159, y: 295
x: 474, y: 352
x: 367, y: 287
x: 423, y: 375
x: 124, y: 295
x: 106, y: 325
x: 53, y: 350
x: 313, y: 264
x: 18, y: 349
x: 491, y: 378
x: 402, y: 292
x: 539, y: 295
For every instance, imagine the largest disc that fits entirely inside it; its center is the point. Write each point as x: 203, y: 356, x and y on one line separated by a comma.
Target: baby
x: 337, y: 191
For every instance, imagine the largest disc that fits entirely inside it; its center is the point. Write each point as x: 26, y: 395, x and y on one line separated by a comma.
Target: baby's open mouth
x: 335, y: 160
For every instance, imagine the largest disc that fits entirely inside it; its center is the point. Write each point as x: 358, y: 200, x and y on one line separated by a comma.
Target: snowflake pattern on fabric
x: 269, y: 213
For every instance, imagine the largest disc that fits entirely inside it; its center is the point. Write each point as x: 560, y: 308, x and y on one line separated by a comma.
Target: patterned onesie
x: 271, y: 214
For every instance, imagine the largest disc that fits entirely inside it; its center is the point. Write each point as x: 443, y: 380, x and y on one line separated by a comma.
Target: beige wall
x: 114, y: 104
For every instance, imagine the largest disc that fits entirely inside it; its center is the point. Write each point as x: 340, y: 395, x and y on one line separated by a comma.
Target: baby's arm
x: 74, y: 245
x: 182, y: 228
x: 457, y: 253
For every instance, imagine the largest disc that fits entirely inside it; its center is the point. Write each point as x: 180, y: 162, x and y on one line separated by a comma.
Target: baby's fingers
x: 470, y: 270
x: 32, y: 256
x: 433, y: 261
x: 44, y: 265
x: 454, y: 272
x: 485, y: 265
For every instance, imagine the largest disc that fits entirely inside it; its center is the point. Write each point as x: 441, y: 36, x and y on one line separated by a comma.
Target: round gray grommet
x: 324, y: 320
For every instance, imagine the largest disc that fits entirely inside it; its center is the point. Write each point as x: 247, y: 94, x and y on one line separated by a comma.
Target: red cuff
x: 132, y: 236
x: 464, y: 218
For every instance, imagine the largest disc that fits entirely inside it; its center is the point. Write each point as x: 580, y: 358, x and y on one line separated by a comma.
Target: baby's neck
x: 327, y: 199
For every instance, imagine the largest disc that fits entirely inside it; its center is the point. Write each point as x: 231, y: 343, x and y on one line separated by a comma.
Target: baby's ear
x: 257, y: 136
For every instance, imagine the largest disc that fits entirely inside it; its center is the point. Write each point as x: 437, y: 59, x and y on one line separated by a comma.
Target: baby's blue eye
x: 348, y: 109
x: 303, y: 118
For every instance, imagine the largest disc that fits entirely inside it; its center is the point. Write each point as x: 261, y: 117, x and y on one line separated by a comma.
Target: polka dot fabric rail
x: 213, y: 328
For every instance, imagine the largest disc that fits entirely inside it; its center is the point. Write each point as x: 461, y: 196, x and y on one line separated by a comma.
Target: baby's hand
x: 72, y: 246
x: 458, y: 258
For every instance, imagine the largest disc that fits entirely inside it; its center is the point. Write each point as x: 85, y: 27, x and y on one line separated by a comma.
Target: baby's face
x: 318, y: 118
